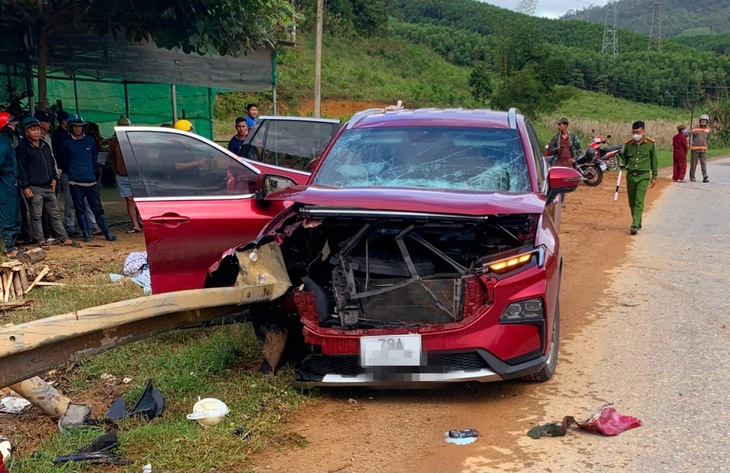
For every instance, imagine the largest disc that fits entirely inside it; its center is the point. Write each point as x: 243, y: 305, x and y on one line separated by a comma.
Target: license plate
x: 603, y: 165
x: 396, y: 350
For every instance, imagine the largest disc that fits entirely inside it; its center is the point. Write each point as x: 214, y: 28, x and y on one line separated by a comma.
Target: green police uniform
x: 641, y: 167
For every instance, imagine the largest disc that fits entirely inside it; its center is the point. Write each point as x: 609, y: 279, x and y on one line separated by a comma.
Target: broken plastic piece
x: 553, y: 429
x: 607, y: 421
x: 98, y: 451
x: 460, y: 434
x: 150, y: 404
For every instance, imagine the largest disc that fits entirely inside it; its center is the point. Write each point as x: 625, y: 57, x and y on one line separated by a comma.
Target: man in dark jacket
x: 80, y: 153
x: 38, y: 179
x: 61, y: 133
x: 9, y: 196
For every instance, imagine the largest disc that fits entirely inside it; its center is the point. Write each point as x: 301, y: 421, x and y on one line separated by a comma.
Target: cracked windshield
x: 428, y: 157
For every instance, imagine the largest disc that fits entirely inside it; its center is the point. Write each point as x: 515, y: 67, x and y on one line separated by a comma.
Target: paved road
x: 662, y: 335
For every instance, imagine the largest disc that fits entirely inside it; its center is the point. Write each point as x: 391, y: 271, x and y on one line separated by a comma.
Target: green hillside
x: 678, y: 16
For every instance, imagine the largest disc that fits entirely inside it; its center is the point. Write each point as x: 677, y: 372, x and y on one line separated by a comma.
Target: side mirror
x: 273, y: 183
x: 562, y: 179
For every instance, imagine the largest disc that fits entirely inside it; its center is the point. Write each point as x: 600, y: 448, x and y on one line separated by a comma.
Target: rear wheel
x: 594, y: 176
x: 612, y: 163
x: 548, y: 370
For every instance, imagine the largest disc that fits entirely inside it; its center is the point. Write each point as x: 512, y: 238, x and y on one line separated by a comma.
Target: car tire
x: 548, y: 370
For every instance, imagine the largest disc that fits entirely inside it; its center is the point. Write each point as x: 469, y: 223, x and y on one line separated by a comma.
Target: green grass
x: 184, y: 365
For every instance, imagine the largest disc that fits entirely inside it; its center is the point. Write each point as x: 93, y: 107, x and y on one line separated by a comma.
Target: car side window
x: 173, y: 165
x: 537, y: 156
x: 292, y: 144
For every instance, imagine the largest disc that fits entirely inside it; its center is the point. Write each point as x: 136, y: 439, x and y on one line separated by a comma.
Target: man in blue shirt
x: 80, y: 153
x: 252, y: 113
x: 237, y: 141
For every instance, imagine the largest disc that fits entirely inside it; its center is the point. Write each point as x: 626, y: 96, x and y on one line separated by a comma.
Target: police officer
x: 639, y: 159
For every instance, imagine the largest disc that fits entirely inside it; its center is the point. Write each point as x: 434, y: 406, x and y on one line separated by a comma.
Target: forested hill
x: 679, y: 17
x: 519, y: 48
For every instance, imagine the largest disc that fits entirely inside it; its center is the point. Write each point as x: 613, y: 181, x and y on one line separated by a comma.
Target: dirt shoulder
x: 374, y: 430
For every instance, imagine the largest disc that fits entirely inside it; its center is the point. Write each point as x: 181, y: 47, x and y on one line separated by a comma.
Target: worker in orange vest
x: 700, y: 139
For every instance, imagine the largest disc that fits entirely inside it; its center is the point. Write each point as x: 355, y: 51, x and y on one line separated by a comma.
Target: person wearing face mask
x: 639, y: 159
x: 679, y: 154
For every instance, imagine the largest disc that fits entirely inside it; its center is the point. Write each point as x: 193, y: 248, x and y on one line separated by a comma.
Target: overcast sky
x: 550, y: 8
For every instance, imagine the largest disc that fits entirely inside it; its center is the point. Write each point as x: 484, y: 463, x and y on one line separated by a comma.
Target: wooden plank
x: 37, y: 279
x: 17, y: 286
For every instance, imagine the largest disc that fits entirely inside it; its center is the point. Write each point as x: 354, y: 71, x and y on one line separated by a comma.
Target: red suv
x: 423, y: 248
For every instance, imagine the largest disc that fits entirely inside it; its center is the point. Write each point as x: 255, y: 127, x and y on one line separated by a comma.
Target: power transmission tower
x: 655, y: 31
x: 610, y: 33
x: 527, y: 7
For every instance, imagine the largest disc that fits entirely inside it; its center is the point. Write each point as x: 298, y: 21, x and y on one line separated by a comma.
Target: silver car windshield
x: 479, y: 159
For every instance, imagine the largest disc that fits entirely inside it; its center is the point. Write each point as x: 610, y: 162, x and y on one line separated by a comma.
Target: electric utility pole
x: 318, y: 60
x: 655, y: 31
x: 610, y: 33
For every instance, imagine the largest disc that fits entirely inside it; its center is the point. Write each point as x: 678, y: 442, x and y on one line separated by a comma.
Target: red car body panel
x: 414, y: 200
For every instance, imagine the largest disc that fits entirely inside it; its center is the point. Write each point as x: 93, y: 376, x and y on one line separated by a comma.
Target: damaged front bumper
x: 441, y: 368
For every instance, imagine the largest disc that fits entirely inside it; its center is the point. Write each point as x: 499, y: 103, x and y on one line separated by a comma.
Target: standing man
x: 679, y: 154
x: 80, y: 153
x: 120, y: 170
x: 639, y: 159
x: 9, y: 196
x: 59, y: 135
x: 252, y: 113
x: 566, y: 148
x: 700, y: 142
x: 236, y: 142
x: 38, y: 179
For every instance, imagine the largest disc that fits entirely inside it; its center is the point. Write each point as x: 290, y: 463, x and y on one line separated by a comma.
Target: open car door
x: 196, y: 201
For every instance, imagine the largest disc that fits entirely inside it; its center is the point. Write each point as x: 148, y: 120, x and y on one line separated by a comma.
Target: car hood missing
x: 445, y: 202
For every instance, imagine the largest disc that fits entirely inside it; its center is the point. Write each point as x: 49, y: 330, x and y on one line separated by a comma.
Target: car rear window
x: 480, y: 159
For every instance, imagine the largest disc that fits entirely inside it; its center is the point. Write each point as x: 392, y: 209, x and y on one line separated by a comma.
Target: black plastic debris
x: 99, y: 451
x: 150, y: 404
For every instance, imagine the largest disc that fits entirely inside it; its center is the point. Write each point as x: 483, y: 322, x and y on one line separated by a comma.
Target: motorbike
x: 606, y: 154
x: 595, y: 161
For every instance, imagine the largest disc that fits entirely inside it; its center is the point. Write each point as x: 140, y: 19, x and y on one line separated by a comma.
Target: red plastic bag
x: 607, y: 421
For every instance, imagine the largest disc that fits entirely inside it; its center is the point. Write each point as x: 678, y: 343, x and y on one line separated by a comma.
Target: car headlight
x: 526, y: 311
x: 508, y: 264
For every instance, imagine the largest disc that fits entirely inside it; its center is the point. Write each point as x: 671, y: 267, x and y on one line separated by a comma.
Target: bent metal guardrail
x: 29, y: 349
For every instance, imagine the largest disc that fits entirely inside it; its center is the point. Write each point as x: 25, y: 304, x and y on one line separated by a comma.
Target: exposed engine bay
x: 382, y: 271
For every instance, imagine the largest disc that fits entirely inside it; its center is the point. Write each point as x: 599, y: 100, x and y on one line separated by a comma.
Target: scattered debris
x: 150, y: 404
x: 352, y: 401
x: 208, y: 411
x: 461, y: 437
x: 147, y: 468
x: 605, y: 421
x: 13, y: 404
x: 98, y: 451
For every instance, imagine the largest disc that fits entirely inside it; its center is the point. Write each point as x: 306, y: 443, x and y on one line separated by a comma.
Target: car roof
x: 457, y: 117
x: 298, y: 119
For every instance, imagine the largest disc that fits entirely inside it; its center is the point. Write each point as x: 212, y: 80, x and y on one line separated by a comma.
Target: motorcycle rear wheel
x: 593, y: 175
x: 612, y: 163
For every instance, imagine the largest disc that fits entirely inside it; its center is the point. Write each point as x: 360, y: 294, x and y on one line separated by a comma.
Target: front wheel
x: 593, y: 175
x: 551, y: 364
